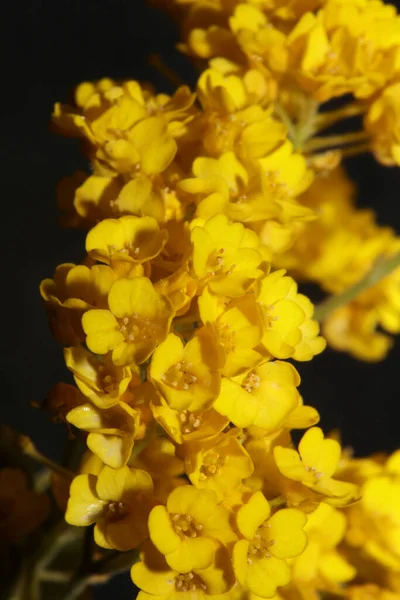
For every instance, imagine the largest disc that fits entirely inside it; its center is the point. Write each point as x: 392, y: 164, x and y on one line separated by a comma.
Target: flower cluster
x: 180, y: 321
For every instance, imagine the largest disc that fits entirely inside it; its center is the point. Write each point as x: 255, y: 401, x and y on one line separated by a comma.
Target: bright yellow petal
x: 84, y: 505
x: 252, y: 514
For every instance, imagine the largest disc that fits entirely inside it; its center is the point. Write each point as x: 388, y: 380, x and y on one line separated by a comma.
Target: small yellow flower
x: 237, y: 327
x: 314, y: 466
x: 259, y: 559
x: 99, y: 380
x: 219, y: 464
x: 187, y: 376
x: 225, y: 256
x: 117, y: 500
x: 159, y: 459
x: 321, y: 563
x: 137, y: 321
x: 128, y: 239
x: 382, y: 122
x: 112, y: 431
x: 158, y: 580
x: 264, y: 396
x: 187, y: 529
x: 184, y: 426
x: 74, y: 290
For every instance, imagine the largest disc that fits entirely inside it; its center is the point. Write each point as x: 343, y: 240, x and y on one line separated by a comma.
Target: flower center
x: 179, y: 377
x: 115, y: 511
x: 136, y: 329
x: 313, y: 471
x: 190, y: 422
x: 251, y: 382
x: 226, y: 337
x: 185, y: 525
x: 212, y: 462
x: 185, y: 582
x: 259, y: 546
x: 107, y: 382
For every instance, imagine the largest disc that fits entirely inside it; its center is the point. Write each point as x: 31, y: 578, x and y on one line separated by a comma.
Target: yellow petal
x: 252, y: 514
x: 286, y: 530
x: 102, y: 330
x: 84, y: 505
x: 192, y: 553
x: 162, y: 533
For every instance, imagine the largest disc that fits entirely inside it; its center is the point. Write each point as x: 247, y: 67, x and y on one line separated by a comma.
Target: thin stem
x: 326, y: 119
x: 355, y: 150
x: 331, y: 141
x: 382, y: 268
x: 286, y: 120
x: 30, y: 450
x: 156, y: 61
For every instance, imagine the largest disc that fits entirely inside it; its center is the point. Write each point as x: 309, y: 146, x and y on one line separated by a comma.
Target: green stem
x: 382, y: 268
x: 325, y: 119
x: 331, y: 141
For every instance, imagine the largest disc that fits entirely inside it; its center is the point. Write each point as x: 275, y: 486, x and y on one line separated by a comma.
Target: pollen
x: 212, y: 462
x: 190, y: 422
x: 189, y: 582
x: 251, y: 382
x: 179, y: 377
x: 185, y: 525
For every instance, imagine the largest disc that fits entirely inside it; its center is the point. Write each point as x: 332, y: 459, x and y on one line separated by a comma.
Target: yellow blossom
x: 74, y: 290
x: 187, y: 376
x: 225, y: 255
x: 264, y: 396
x: 314, y: 466
x: 184, y: 426
x: 159, y: 459
x: 186, y: 530
x: 99, y: 380
x: 137, y: 321
x: 118, y: 501
x: 219, y: 464
x: 283, y: 316
x: 349, y: 46
x: 128, y: 239
x: 237, y: 327
x: 322, y: 564
x: 158, y: 580
x: 259, y: 559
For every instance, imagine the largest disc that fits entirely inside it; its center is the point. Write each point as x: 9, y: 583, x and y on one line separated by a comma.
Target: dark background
x: 48, y: 48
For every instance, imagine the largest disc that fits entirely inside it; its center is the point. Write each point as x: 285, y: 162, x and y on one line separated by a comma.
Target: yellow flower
x: 22, y: 509
x: 187, y: 377
x: 225, y: 255
x: 112, y: 431
x: 159, y: 459
x: 99, y: 380
x: 264, y: 396
x: 314, y: 466
x: 117, y: 500
x: 282, y: 313
x: 189, y: 528
x: 74, y: 290
x: 185, y: 426
x: 349, y: 46
x: 179, y: 288
x: 237, y: 327
x: 95, y: 198
x: 128, y: 239
x: 259, y: 559
x: 121, y: 136
x: 322, y: 564
x: 158, y: 580
x: 382, y: 122
x: 374, y: 522
x: 219, y: 464
x: 137, y: 321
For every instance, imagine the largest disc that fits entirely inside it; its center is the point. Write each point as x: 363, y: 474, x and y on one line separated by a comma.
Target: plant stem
x: 30, y: 450
x: 326, y: 119
x: 382, y: 268
x: 331, y: 141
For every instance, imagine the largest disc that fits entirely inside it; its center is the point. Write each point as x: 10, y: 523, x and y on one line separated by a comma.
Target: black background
x: 48, y: 48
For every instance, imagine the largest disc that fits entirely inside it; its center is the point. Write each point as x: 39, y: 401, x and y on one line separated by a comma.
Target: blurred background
x: 49, y: 47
